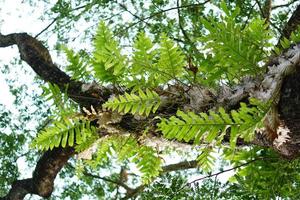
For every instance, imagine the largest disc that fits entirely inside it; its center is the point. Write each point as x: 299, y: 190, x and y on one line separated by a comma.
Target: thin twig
x: 134, y: 15
x: 56, y: 18
x: 46, y: 28
x: 221, y: 172
x: 284, y: 5
x: 166, y: 10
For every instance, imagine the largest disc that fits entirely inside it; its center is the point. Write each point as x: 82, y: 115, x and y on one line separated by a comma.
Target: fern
x: 142, y: 104
x: 86, y: 143
x: 286, y: 43
x: 144, y: 69
x: 109, y: 63
x: 78, y: 63
x: 171, y: 61
x: 127, y: 148
x: 52, y: 92
x: 63, y: 133
x: 206, y: 160
x: 63, y: 106
x: 144, y: 157
x: 148, y: 163
x: 190, y: 126
x: 236, y: 49
x: 153, y: 66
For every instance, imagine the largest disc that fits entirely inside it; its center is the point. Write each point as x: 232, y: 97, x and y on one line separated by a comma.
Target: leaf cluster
x: 144, y: 103
x: 67, y: 132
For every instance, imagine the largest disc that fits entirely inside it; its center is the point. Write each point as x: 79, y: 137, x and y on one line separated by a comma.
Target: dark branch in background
x: 119, y: 183
x: 284, y: 5
x: 134, y: 15
x: 221, y: 172
x: 43, y: 176
x: 291, y: 25
x: 37, y: 56
x: 46, y: 28
x: 58, y: 17
x: 265, y: 9
x: 180, y: 166
x: 183, y: 31
x: 184, y: 165
x: 166, y: 10
x: 131, y: 192
x: 218, y: 173
x: 249, y: 16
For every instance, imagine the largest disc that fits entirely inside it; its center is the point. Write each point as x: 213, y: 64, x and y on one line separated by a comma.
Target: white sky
x: 15, y: 17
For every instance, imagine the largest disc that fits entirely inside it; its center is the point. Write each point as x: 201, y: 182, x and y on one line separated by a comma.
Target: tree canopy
x: 155, y: 100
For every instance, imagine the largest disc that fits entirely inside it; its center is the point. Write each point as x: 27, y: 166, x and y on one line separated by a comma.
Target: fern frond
x: 143, y: 103
x: 286, y: 43
x: 63, y: 133
x: 148, y: 163
x: 143, y: 63
x: 63, y: 107
x: 144, y: 55
x: 78, y: 63
x: 236, y: 50
x: 52, y: 92
x: 206, y: 159
x: 171, y: 61
x: 127, y: 148
x: 87, y: 143
x: 190, y: 126
x: 109, y: 63
x: 152, y: 66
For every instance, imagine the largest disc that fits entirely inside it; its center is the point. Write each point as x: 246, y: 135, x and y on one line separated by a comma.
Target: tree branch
x: 284, y: 5
x: 180, y: 166
x: 221, y: 172
x: 166, y: 10
x: 56, y: 18
x: 42, y: 181
x: 291, y: 25
x: 37, y: 56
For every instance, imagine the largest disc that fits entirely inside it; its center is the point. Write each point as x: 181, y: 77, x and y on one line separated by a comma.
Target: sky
x: 16, y: 16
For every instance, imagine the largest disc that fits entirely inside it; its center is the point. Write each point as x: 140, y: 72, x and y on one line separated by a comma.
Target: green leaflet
x: 235, y: 50
x: 211, y: 128
x: 154, y: 66
x: 286, y: 43
x: 144, y: 70
x: 79, y: 63
x: 108, y: 62
x: 63, y: 133
x: 208, y: 128
x: 171, y: 61
x: 206, y: 160
x: 63, y: 106
x: 127, y: 148
x: 143, y: 103
x: 148, y: 163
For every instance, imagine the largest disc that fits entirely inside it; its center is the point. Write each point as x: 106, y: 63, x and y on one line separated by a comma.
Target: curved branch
x: 291, y: 25
x: 36, y: 55
x: 42, y: 181
x: 284, y: 5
